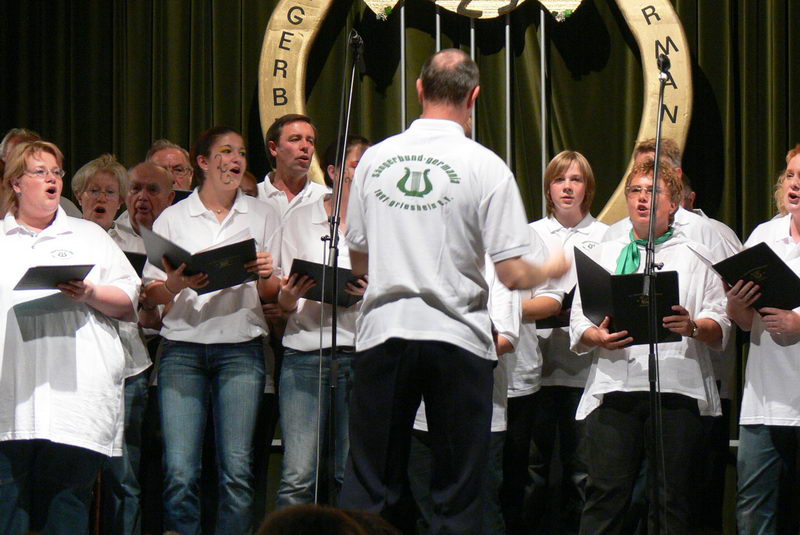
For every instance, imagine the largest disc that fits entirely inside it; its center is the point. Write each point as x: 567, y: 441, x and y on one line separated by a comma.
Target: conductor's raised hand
x: 177, y: 281
x: 261, y: 266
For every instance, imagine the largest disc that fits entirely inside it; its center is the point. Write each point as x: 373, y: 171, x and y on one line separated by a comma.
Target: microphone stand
x: 657, y: 467
x: 357, y: 44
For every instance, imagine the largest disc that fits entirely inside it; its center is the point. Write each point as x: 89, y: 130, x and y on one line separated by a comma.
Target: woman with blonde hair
x: 61, y: 363
x: 770, y: 414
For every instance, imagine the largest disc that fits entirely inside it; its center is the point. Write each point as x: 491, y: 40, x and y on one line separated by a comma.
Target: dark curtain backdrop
x: 99, y: 76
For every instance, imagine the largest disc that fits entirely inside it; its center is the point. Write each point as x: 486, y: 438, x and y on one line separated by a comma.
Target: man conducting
x: 425, y: 207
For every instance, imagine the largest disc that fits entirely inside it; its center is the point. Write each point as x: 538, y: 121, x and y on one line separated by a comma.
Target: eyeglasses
x: 178, y: 170
x: 96, y: 192
x: 635, y: 191
x: 42, y: 173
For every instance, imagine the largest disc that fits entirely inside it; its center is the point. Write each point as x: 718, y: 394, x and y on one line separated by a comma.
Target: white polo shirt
x: 773, y: 364
x: 426, y: 204
x: 280, y: 201
x: 62, y: 364
x: 525, y: 363
x: 225, y: 316
x: 301, y: 237
x: 685, y: 366
x: 561, y: 366
x: 703, y: 230
x: 132, y: 335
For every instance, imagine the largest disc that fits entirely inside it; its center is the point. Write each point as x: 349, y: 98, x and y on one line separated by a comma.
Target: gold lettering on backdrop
x: 292, y: 28
x: 658, y: 30
x: 294, y: 25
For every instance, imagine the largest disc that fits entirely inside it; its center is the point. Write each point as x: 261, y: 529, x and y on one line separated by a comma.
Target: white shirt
x: 225, y: 316
x: 137, y: 358
x: 685, y: 366
x: 561, y: 366
x: 425, y: 205
x: 525, y: 363
x: 301, y: 235
x: 772, y: 378
x: 701, y: 229
x: 61, y: 363
x: 279, y: 201
x: 506, y: 313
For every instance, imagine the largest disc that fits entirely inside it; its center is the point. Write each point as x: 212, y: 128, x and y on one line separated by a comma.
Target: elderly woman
x: 615, y: 400
x: 212, y: 356
x: 61, y: 362
x: 100, y: 187
x: 770, y: 417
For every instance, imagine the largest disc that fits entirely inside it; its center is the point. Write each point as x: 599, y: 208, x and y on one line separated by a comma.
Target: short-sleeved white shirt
x: 425, y: 205
x: 61, y: 364
x: 703, y: 230
x: 225, y: 316
x: 561, y: 366
x: 136, y: 357
x: 301, y: 237
x: 279, y: 201
x: 773, y: 365
x: 685, y: 366
x: 525, y: 363
x: 506, y: 313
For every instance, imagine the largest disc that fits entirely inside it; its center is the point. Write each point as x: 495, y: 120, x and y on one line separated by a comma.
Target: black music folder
x: 49, y: 277
x: 314, y: 270
x: 621, y: 298
x: 223, y: 264
x: 559, y: 320
x: 780, y: 286
x: 137, y: 260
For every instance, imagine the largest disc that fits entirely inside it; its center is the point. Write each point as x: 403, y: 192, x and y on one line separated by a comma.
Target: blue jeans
x: 298, y: 402
x: 765, y: 466
x: 122, y: 512
x: 46, y: 487
x: 229, y: 377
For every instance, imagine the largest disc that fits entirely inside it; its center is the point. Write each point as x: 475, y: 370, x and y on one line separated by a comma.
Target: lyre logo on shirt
x: 61, y: 253
x: 420, y: 183
x: 589, y: 245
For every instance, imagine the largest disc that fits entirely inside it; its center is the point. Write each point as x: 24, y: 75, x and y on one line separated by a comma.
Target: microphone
x: 663, y: 63
x: 356, y: 42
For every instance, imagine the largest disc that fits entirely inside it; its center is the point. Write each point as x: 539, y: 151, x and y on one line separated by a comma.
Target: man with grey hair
x: 426, y: 206
x: 150, y: 192
x: 174, y: 159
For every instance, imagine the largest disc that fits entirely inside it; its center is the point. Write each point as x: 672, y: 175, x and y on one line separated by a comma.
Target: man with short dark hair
x: 291, y: 143
x: 425, y: 208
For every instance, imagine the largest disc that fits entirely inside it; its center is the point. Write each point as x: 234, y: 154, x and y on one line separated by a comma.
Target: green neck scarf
x: 628, y: 261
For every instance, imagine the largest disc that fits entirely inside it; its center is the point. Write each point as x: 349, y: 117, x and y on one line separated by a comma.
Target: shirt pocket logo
x: 62, y: 253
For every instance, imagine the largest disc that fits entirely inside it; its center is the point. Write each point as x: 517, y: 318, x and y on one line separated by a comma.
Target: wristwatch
x: 695, y: 329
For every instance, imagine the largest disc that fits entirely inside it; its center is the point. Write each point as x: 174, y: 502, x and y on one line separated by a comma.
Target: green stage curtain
x: 100, y: 76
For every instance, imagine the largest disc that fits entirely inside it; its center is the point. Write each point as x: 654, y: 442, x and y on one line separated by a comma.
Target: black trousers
x: 618, y: 437
x: 389, y: 382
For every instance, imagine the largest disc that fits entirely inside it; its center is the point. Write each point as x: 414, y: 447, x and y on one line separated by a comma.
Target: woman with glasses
x: 308, y: 328
x: 770, y: 417
x: 61, y: 362
x: 615, y: 404
x: 212, y: 358
x: 100, y: 187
